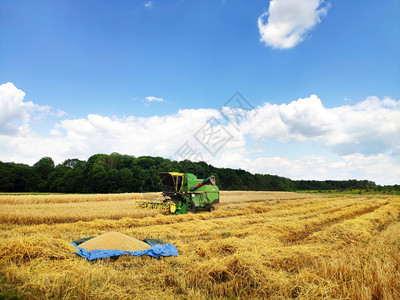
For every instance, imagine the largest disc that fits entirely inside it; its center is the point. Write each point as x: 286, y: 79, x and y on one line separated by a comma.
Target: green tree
x: 44, y: 167
x: 126, y: 182
x: 73, y: 163
x: 25, y: 178
x: 56, y: 180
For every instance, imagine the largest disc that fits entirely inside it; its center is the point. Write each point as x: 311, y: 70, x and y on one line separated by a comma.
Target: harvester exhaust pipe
x: 210, y: 179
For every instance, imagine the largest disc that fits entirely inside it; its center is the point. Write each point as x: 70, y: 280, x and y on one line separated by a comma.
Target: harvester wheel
x: 172, y: 208
x: 211, y: 208
x: 192, y: 208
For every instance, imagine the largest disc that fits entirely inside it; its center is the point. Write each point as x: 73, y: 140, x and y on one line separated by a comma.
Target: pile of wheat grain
x: 114, y: 241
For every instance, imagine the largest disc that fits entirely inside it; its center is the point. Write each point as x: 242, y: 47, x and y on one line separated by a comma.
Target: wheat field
x: 255, y: 245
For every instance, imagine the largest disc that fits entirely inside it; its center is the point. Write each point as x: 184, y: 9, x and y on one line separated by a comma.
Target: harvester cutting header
x: 184, y: 192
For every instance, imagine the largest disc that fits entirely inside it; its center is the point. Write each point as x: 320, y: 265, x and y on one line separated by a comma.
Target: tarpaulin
x: 155, y: 251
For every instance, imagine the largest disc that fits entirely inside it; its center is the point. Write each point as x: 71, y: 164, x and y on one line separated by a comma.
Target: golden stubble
x: 255, y: 245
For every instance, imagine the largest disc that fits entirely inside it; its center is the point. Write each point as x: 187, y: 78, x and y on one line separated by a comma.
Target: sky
x: 302, y: 89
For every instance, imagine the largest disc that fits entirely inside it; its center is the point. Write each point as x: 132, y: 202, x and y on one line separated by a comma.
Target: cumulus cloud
x: 369, y: 127
x: 289, y: 21
x: 154, y: 99
x: 15, y: 113
x: 148, y: 4
x: 379, y: 168
x: 359, y: 141
x: 156, y: 135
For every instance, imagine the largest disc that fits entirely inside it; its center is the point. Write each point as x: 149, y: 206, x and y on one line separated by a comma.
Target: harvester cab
x: 171, y: 183
x: 184, y: 192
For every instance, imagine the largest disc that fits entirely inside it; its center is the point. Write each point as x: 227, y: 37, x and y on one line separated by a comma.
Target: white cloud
x: 152, y: 99
x: 140, y: 136
x: 369, y: 127
x: 15, y: 113
x: 380, y: 168
x: 289, y: 21
x: 148, y: 4
x: 55, y: 132
x: 59, y: 113
x: 360, y: 141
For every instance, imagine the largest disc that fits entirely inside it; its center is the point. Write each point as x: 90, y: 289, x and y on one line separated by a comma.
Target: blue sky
x: 82, y: 75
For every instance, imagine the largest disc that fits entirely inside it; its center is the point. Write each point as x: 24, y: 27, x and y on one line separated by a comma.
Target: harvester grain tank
x: 184, y: 192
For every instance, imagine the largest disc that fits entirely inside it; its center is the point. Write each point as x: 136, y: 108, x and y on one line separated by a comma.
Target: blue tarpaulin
x: 156, y: 250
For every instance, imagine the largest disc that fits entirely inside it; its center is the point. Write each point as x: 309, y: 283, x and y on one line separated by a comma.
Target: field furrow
x: 255, y: 245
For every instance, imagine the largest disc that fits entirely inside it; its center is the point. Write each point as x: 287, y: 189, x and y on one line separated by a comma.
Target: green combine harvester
x: 184, y: 192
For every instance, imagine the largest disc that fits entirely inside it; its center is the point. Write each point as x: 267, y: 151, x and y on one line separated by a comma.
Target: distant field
x: 360, y: 192
x: 255, y: 245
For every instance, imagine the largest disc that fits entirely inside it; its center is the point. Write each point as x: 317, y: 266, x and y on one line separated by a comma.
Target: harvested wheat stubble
x: 114, y: 241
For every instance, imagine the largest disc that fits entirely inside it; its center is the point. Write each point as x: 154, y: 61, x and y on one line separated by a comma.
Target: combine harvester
x: 183, y: 193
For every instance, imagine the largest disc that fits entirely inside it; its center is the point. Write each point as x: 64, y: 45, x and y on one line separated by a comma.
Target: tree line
x: 117, y: 173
